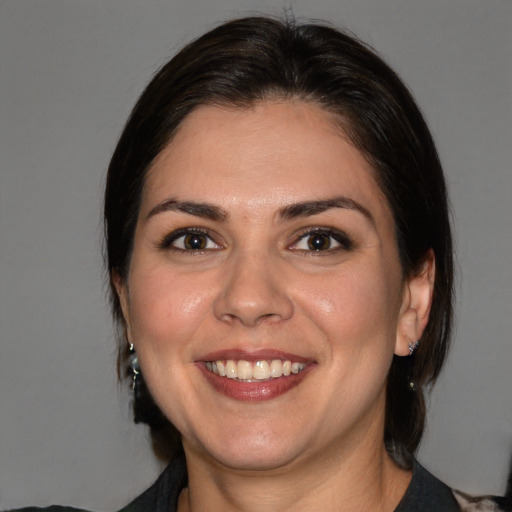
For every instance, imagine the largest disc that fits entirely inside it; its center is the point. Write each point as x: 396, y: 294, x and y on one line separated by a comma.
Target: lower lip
x: 254, y: 391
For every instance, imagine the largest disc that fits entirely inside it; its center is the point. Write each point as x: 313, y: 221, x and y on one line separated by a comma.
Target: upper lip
x: 252, y: 355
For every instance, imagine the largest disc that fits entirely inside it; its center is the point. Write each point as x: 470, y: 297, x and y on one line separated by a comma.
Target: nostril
x: 269, y: 317
x: 253, y: 293
x: 251, y: 317
x: 249, y: 320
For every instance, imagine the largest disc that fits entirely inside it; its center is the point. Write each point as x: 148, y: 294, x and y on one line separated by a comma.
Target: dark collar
x: 425, y: 492
x: 163, y: 495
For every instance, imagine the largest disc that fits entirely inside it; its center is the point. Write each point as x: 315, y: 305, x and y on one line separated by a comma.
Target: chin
x: 256, y: 459
x: 258, y: 450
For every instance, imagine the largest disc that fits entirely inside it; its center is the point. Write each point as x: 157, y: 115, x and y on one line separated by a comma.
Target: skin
x: 258, y: 285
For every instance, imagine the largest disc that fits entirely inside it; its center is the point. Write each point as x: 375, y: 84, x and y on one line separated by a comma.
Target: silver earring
x: 413, y: 345
x: 134, y: 366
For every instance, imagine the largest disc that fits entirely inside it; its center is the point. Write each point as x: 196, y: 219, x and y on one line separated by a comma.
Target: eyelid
x: 168, y: 240
x: 343, y: 241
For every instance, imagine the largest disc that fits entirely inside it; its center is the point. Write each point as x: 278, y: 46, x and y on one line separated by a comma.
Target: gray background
x: 70, y: 72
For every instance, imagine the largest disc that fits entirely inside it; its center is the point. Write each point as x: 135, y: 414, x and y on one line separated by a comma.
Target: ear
x: 416, y: 304
x: 122, y: 293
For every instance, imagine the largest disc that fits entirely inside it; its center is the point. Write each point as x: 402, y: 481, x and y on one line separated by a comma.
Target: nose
x: 253, y: 293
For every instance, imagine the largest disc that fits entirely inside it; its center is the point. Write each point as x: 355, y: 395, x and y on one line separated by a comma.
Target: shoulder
x: 481, y: 503
x: 53, y: 508
x: 426, y: 493
x: 162, y: 496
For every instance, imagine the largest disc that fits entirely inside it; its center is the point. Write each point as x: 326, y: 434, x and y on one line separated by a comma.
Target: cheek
x: 166, y: 309
x: 357, y: 304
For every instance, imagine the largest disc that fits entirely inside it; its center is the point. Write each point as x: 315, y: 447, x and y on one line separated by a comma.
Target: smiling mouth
x: 257, y: 371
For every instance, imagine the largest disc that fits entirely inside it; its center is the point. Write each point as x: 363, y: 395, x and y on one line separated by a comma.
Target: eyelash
x: 340, y: 238
x: 171, y: 238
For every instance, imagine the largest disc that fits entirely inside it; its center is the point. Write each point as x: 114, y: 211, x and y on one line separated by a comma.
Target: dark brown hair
x: 253, y: 59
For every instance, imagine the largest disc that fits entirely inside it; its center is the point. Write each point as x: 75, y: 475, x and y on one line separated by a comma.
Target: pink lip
x: 252, y: 356
x: 253, y: 391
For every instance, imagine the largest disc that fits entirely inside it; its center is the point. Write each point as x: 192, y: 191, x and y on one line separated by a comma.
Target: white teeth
x: 244, y: 370
x: 295, y: 367
x: 259, y: 370
x: 221, y: 368
x: 276, y: 368
x: 231, y: 370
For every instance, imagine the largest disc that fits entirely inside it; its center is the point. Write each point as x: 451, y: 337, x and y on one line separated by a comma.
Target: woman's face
x: 265, y: 297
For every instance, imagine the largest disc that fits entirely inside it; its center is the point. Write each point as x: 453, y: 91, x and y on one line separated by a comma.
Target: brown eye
x: 319, y: 242
x: 195, y: 242
x: 189, y: 240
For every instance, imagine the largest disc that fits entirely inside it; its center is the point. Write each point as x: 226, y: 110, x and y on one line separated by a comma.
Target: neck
x: 362, y: 478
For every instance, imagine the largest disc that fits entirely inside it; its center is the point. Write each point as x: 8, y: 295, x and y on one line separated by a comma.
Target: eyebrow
x: 204, y: 210
x: 289, y: 212
x: 309, y: 208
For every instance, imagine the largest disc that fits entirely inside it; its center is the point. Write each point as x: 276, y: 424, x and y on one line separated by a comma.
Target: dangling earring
x: 413, y: 345
x: 134, y: 368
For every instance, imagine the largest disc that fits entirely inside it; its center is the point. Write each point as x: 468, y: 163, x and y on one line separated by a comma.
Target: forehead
x: 270, y: 154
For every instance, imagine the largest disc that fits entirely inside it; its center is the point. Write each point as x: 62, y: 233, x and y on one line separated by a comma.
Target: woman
x: 279, y: 249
